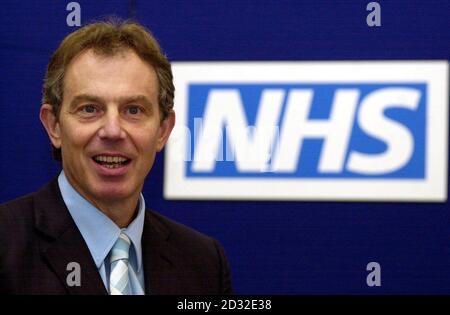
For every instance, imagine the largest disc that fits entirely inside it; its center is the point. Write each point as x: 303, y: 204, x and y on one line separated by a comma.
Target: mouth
x: 111, y: 162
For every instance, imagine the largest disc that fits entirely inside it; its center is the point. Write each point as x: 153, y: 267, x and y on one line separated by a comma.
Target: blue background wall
x: 273, y: 247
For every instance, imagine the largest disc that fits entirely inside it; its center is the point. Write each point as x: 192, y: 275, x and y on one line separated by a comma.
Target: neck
x: 122, y: 213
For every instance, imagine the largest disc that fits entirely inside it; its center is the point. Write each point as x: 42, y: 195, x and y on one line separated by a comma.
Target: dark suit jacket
x: 38, y: 239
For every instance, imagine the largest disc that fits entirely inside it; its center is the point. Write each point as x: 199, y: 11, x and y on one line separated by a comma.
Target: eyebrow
x: 142, y: 99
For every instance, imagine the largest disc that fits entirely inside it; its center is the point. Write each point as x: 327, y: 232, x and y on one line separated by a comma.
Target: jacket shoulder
x: 16, y: 212
x: 178, y: 233
x: 201, y: 255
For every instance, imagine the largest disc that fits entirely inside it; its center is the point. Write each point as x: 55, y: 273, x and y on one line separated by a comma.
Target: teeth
x: 112, y: 165
x: 110, y: 159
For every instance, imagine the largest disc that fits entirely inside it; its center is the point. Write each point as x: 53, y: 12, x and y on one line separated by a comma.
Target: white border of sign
x: 433, y: 188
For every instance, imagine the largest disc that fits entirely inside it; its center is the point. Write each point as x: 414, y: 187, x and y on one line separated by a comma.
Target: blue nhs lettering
x: 307, y: 130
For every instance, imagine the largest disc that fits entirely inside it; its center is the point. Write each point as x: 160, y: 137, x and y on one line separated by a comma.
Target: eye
x: 134, y: 110
x: 89, y: 109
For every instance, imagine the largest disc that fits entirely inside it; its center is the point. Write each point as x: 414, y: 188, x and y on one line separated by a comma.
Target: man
x: 107, y: 108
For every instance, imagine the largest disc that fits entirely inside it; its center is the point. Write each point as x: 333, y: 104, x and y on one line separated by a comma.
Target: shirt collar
x: 98, y: 230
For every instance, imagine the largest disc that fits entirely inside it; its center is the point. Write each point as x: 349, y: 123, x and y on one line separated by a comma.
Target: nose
x: 111, y: 128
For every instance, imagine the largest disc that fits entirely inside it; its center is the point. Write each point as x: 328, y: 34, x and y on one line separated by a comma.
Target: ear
x: 165, y: 130
x: 51, y: 124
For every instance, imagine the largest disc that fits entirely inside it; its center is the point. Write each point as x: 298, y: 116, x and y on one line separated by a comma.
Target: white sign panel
x: 356, y: 131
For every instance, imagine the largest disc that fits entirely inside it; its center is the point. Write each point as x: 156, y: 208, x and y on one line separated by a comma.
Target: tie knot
x: 120, y: 249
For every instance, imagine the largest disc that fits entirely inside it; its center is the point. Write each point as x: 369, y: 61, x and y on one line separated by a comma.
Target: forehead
x: 121, y: 75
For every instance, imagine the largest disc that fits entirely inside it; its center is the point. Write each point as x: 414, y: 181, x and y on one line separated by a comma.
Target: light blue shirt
x: 100, y: 233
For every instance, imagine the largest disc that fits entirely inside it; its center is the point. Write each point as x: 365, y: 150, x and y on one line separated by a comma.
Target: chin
x: 113, y: 192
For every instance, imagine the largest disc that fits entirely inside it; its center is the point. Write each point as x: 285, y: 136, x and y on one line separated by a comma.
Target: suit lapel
x: 162, y: 275
x: 68, y: 249
x: 64, y: 244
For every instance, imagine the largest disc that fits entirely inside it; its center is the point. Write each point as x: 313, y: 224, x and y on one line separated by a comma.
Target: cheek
x: 74, y: 138
x: 146, y: 139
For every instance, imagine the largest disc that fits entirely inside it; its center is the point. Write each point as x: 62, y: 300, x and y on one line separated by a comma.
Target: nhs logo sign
x: 309, y: 131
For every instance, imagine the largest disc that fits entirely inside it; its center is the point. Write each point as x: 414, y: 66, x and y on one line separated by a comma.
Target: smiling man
x: 107, y: 108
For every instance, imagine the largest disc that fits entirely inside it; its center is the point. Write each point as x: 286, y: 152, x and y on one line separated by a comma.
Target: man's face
x: 110, y: 125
